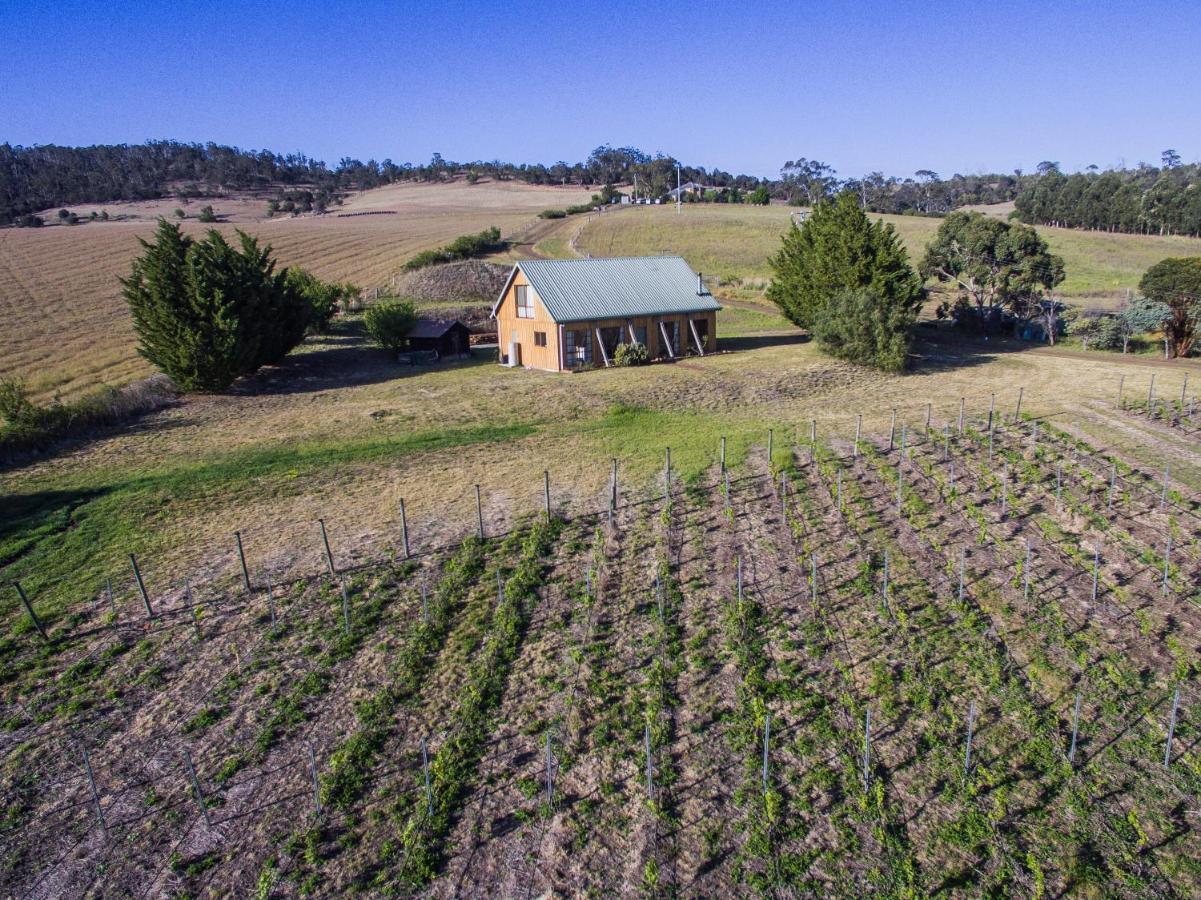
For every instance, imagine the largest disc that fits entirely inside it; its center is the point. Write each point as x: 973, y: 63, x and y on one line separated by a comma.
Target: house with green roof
x: 566, y: 314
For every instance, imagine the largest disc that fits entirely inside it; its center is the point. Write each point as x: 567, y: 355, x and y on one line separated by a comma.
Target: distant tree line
x: 1144, y: 200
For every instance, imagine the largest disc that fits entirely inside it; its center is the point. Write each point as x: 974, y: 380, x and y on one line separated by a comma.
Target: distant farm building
x: 689, y: 187
x: 448, y: 338
x: 565, y: 314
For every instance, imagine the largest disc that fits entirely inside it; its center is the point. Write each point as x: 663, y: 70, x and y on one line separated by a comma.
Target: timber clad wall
x: 511, y: 328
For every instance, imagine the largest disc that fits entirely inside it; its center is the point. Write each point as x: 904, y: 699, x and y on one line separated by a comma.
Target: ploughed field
x: 840, y: 668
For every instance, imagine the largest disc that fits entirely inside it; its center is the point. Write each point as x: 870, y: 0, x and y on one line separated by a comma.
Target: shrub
x: 206, y: 312
x: 631, y: 355
x: 553, y: 214
x: 323, y: 297
x: 580, y: 208
x: 861, y: 326
x: 179, y: 213
x: 207, y: 214
x: 389, y: 323
x: 465, y: 246
x: 29, y: 220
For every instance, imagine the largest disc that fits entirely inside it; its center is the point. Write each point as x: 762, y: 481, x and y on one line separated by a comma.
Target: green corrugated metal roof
x: 575, y: 290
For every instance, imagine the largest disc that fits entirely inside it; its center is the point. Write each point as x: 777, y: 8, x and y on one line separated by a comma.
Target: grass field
x: 65, y: 325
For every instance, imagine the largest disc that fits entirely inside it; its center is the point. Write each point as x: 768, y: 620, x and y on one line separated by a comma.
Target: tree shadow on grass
x: 762, y: 341
x: 941, y: 347
x: 344, y: 358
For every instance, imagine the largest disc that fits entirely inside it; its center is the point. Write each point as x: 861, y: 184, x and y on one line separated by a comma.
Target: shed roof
x: 433, y: 328
x: 575, y: 290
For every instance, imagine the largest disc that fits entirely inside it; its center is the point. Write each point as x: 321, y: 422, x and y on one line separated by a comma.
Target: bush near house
x: 389, y: 323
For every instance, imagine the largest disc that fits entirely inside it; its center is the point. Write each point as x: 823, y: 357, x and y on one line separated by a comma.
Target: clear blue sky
x: 949, y: 85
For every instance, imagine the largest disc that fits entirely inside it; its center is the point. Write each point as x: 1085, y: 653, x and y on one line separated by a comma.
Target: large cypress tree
x: 836, y: 250
x: 206, y: 312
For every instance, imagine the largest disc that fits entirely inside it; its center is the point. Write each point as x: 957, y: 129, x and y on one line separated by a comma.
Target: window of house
x: 525, y: 305
x: 577, y: 348
x: 640, y: 335
x: 702, y: 332
x: 539, y: 338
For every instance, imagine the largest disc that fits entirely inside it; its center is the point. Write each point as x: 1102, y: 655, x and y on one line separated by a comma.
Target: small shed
x: 449, y: 338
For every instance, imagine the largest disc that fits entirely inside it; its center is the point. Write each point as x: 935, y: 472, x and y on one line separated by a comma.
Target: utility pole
x: 678, y: 196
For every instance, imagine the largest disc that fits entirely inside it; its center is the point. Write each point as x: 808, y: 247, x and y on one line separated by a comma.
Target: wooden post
x: 1151, y: 395
x: 1017, y: 413
x: 967, y: 753
x: 1121, y: 384
x: 1163, y: 499
x: 892, y: 429
x: 1167, y: 750
x: 1096, y: 571
x: 766, y: 744
x: 345, y: 604
x: 425, y: 768
x: 650, y: 770
x: 87, y: 765
x: 329, y: 556
x: 33, y: 617
x: 770, y: 442
x: 404, y: 529
x: 187, y: 758
x: 1075, y: 731
x: 858, y: 432
x: 242, y: 560
x: 546, y: 492
x: 137, y: 574
x: 867, y: 748
x: 315, y: 778
x: 723, y: 454
x: 479, y: 513
x: 961, y: 401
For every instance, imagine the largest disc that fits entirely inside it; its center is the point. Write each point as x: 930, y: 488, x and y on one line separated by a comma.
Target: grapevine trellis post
x: 961, y: 402
x: 204, y: 811
x: 929, y: 413
x: 550, y: 775
x: 858, y: 434
x: 659, y: 597
x: 87, y: 765
x: 1017, y: 413
x: 900, y: 485
x: 242, y: 560
x: 1151, y: 394
x: 1121, y: 384
x: 770, y: 443
x: 270, y: 599
x: 345, y: 603
x: 1096, y: 571
x: 884, y: 587
x: 1004, y: 492
x: 546, y: 491
x: 1059, y: 483
x: 1026, y: 573
x: 650, y: 766
x: 967, y: 753
x: 1167, y: 749
x: 425, y: 605
x: 1163, y: 499
x: 904, y: 437
x: 187, y: 589
x: 137, y: 574
x: 315, y: 779
x: 766, y: 745
x: 723, y: 455
x: 1113, y: 483
x: 667, y: 476
x: 990, y: 439
x: 479, y: 513
x: 739, y: 567
x: 892, y: 428
x: 425, y: 769
x: 404, y: 529
x: 992, y: 405
x: 112, y: 601
x: 1075, y: 731
x: 329, y: 556
x: 500, y: 589
x: 962, y: 570
x: 838, y: 493
x: 867, y: 748
x: 1167, y: 565
x: 613, y: 487
x: 946, y: 441
x: 33, y: 617
x: 784, y: 495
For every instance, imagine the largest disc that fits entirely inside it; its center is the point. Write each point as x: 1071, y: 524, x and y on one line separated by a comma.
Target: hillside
x: 66, y: 322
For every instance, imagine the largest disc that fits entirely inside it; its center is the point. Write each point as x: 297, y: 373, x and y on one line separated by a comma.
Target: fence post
x: 1075, y: 730
x: 858, y: 433
x: 867, y: 748
x: 1163, y: 499
x: 1121, y: 384
x: 87, y: 764
x: 242, y: 560
x: 1017, y: 413
x: 329, y: 556
x: 650, y: 769
x: 892, y: 429
x: 766, y: 744
x: 546, y: 491
x: 404, y: 529
x: 1151, y: 395
x: 316, y: 780
x: 770, y: 445
x: 967, y: 753
x: 187, y: 758
x: 1167, y: 749
x: 137, y: 574
x: 37, y: 623
x: 425, y: 768
x: 479, y: 513
x: 345, y: 603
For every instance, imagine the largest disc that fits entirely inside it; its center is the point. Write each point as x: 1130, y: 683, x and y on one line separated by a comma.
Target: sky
x: 947, y: 85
